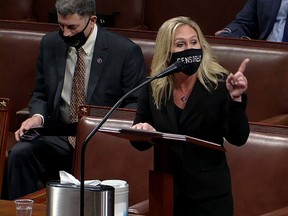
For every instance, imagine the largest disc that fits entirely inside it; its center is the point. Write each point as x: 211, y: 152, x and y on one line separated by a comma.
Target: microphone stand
x: 175, y: 67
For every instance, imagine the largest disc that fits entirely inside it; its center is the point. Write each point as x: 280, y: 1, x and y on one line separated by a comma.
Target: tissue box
x: 64, y: 200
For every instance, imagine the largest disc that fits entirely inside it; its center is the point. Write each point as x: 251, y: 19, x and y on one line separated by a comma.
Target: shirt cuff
x: 227, y: 29
x: 241, y: 104
x: 40, y: 117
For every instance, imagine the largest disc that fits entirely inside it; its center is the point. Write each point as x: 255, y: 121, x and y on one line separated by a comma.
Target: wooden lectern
x: 160, y: 180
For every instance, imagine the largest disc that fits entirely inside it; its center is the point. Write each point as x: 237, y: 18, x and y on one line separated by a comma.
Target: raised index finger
x: 243, y: 65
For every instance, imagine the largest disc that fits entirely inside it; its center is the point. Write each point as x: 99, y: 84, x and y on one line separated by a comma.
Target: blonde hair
x: 209, y: 73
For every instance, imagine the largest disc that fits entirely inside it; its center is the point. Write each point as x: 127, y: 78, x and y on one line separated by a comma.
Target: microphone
x: 174, y: 68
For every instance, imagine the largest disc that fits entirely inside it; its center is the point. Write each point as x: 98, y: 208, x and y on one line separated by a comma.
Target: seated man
x: 80, y: 64
x: 259, y: 19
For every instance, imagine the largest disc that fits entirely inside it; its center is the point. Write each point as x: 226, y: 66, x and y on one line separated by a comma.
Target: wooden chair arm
x: 38, y: 196
x: 141, y: 208
x: 278, y: 212
x: 278, y: 120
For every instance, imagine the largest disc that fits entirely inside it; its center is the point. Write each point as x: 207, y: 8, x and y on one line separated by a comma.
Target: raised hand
x: 237, y: 83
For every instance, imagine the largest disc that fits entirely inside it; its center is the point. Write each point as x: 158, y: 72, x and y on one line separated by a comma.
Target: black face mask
x: 191, y: 59
x: 76, y: 40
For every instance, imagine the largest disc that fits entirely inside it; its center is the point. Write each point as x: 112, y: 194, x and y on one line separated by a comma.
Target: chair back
x: 259, y: 170
x: 111, y: 157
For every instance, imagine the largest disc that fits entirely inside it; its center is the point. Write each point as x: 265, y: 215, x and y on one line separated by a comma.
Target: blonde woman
x: 204, y: 101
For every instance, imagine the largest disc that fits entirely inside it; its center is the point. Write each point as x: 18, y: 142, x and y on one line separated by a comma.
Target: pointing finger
x: 243, y: 65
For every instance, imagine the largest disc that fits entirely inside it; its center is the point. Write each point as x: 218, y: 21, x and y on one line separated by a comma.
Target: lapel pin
x: 99, y: 60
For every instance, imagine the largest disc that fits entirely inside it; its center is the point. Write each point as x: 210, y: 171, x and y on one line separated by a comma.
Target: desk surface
x: 7, y: 208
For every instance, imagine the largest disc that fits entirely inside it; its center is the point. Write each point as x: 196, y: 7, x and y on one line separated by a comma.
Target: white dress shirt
x: 278, y: 29
x: 70, y: 69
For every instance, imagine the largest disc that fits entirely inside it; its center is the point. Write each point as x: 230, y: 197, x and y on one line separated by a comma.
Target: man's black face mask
x: 191, y: 58
x: 77, y: 40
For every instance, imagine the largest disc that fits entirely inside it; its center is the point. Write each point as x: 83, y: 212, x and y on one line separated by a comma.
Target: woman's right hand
x: 143, y: 126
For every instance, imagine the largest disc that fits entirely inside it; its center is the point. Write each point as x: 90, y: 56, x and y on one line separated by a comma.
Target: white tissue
x: 68, y: 178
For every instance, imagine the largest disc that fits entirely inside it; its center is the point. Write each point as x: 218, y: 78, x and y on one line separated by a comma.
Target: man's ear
x: 93, y: 19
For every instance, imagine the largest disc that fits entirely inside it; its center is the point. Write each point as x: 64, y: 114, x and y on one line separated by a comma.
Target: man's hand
x: 222, y: 31
x: 34, y: 121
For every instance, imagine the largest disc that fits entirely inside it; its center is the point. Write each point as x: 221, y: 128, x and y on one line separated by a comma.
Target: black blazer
x: 255, y: 20
x: 199, y: 173
x: 117, y: 66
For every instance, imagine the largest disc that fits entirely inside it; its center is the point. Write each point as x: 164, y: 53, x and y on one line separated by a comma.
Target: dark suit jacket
x: 199, y: 173
x: 255, y: 20
x: 117, y: 66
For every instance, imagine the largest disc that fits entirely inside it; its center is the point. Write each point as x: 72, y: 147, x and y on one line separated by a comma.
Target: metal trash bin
x: 64, y: 200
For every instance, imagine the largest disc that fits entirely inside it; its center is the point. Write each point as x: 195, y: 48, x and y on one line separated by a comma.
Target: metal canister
x: 64, y: 200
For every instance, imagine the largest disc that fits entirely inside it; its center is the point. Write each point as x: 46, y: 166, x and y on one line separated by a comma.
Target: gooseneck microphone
x: 174, y: 68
